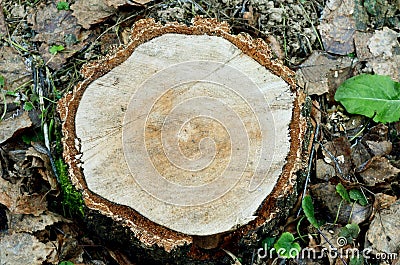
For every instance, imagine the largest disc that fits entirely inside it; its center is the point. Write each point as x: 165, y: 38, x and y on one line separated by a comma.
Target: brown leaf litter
x: 56, y: 27
x: 90, y: 12
x: 13, y: 68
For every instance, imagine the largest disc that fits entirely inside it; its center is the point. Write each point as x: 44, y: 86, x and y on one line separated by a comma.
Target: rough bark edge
x: 143, y: 229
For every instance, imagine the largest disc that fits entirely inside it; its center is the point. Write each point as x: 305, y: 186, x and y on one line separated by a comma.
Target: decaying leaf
x: 56, y: 27
x: 380, y: 148
x: 13, y: 68
x: 89, y: 12
x: 378, y: 133
x: 359, y: 155
x: 275, y: 47
x: 53, y: 26
x: 361, y: 40
x: 378, y: 170
x: 331, y: 232
x: 29, y: 223
x: 388, y: 67
x: 12, y: 125
x: 24, y: 248
x: 18, y: 202
x: 322, y: 72
x: 46, y: 174
x: 324, y: 171
x: 338, y: 26
x: 383, y: 201
x: 337, y: 153
x: 383, y: 234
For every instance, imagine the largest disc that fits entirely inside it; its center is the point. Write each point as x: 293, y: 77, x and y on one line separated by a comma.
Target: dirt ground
x: 43, y: 45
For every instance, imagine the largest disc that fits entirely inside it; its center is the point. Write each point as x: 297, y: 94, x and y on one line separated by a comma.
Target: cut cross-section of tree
x: 190, y: 137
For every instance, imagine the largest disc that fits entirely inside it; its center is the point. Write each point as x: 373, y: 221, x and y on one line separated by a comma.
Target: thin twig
x: 334, y: 160
x: 316, y: 134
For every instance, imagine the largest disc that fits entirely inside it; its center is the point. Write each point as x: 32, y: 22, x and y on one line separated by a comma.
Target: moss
x: 71, y: 198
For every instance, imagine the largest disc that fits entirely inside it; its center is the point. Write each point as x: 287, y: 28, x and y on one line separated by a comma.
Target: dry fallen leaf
x: 337, y: 153
x: 13, y: 68
x: 388, y: 67
x: 338, y: 26
x: 380, y: 148
x: 53, y: 26
x: 359, y: 155
x: 324, y: 171
x: 29, y: 223
x: 18, y: 202
x: 378, y: 170
x: 24, y: 248
x: 383, y: 201
x: 46, y: 174
x: 56, y: 27
x: 383, y: 234
x: 12, y: 125
x: 89, y: 12
x: 378, y: 133
x: 322, y: 73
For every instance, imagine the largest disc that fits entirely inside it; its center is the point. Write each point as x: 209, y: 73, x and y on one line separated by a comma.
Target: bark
x: 188, y: 141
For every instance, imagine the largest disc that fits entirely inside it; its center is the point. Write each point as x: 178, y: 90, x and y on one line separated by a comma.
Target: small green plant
x: 374, y: 96
x: 350, y: 232
x: 268, y: 243
x: 66, y: 263
x: 56, y: 48
x: 308, y: 209
x: 2, y: 82
x: 352, y: 195
x: 286, y: 247
x: 343, y: 192
x: 357, y: 260
x: 28, y: 106
x: 72, y: 199
x: 358, y: 196
x: 62, y: 5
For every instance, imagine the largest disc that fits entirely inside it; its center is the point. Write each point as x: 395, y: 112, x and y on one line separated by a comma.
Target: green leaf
x: 286, y: 247
x: 2, y: 81
x: 62, y: 5
x: 56, y: 48
x: 308, y: 209
x: 357, y: 260
x: 28, y: 106
x: 343, y: 192
x: 268, y: 243
x: 374, y: 96
x: 358, y: 196
x: 350, y: 232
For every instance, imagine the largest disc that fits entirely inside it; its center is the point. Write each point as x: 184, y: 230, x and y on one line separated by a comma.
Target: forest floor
x: 354, y: 174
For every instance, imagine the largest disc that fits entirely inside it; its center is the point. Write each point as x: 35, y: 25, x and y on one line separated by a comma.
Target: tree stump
x: 190, y: 137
